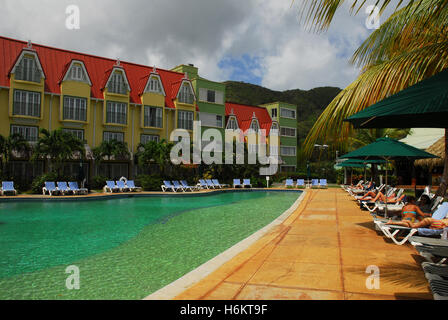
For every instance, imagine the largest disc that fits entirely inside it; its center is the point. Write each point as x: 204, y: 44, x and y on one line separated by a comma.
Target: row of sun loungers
x: 62, y: 188
x: 315, y: 183
x: 429, y: 243
x: 183, y: 185
x: 120, y: 186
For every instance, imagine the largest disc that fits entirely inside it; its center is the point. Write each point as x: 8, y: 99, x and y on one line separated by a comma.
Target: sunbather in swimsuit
x: 427, y: 222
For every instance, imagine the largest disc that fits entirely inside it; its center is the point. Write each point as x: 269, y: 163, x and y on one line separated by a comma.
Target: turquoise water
x: 125, y: 248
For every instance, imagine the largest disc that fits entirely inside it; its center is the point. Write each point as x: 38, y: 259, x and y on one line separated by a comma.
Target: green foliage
x: 111, y: 149
x: 149, y: 182
x: 97, y: 182
x: 39, y: 182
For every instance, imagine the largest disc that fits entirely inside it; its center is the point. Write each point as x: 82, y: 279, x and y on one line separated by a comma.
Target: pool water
x: 124, y: 248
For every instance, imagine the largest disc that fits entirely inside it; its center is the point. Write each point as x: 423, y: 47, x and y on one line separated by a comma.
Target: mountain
x: 310, y: 103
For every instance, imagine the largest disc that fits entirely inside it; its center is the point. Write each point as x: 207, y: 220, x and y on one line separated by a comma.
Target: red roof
x: 55, y: 63
x: 244, y: 115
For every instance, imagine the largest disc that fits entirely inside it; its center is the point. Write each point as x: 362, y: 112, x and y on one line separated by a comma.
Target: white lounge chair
x: 131, y: 185
x: 300, y: 183
x: 8, y: 187
x: 76, y: 190
x: 237, y: 183
x: 246, y: 183
x: 187, y: 186
x: 210, y: 184
x: 178, y: 186
x: 122, y: 186
x: 217, y: 183
x: 167, y: 185
x: 63, y: 187
x: 289, y: 183
x: 110, y: 187
x: 323, y: 183
x: 202, y: 184
x: 50, y: 188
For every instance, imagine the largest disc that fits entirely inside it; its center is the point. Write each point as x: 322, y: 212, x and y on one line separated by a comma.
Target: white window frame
x: 113, y: 113
x: 145, y: 138
x: 76, y: 110
x: 36, y: 60
x: 288, y: 155
x: 184, y: 93
x: 290, y: 110
x: 184, y: 118
x: 289, y: 136
x: 272, y: 113
x: 110, y: 135
x: 84, y: 74
x: 153, y: 78
x: 29, y: 105
x: 113, y: 82
x: 33, y: 132
x: 252, y: 125
x: 232, y: 119
x: 147, y: 116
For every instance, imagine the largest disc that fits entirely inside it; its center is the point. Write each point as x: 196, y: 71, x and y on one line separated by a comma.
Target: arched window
x: 117, y: 83
x: 27, y: 70
x: 154, y: 85
x: 186, y: 94
x: 232, y: 124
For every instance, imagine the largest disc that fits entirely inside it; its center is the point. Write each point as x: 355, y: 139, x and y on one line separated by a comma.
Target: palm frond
x: 374, y: 84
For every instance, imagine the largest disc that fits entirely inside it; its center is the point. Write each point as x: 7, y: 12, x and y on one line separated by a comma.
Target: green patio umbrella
x: 388, y: 149
x: 350, y: 164
x: 364, y: 162
x: 423, y: 105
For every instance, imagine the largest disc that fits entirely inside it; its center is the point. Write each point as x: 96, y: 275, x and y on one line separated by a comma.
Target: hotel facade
x: 99, y: 99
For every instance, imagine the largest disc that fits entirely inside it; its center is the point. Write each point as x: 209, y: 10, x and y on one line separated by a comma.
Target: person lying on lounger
x: 392, y: 198
x: 369, y: 195
x: 430, y: 223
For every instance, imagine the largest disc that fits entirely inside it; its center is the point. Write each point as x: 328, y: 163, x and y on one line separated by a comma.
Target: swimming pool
x: 124, y: 248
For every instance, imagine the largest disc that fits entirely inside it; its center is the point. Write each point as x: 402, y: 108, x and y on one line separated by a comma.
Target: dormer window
x: 118, y: 83
x: 27, y: 70
x: 77, y: 72
x: 154, y: 85
x: 186, y: 94
x: 232, y: 124
x: 254, y: 125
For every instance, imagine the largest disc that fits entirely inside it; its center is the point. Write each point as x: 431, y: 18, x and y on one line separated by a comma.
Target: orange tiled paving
x: 320, y: 252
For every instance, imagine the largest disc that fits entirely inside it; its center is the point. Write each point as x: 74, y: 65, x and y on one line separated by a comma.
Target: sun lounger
x: 63, y: 187
x: 237, y: 183
x: 300, y: 183
x: 76, y: 190
x: 427, y: 241
x: 314, y: 183
x: 50, y: 188
x: 131, y: 185
x: 246, y: 183
x: 289, y: 183
x: 167, y: 185
x: 439, y: 289
x: 122, y: 186
x: 217, y: 183
x: 177, y: 185
x: 111, y: 187
x: 8, y: 187
x: 202, y: 184
x: 323, y: 183
x: 436, y: 254
x: 391, y: 231
x: 188, y: 187
x: 210, y: 184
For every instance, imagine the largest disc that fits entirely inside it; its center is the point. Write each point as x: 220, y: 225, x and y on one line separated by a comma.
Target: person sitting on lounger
x: 369, y: 195
x: 411, y: 212
x: 430, y: 223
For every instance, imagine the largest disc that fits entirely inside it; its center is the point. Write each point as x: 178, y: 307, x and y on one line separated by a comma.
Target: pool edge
x: 178, y: 286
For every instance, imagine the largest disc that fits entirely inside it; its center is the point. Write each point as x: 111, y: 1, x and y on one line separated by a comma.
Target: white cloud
x: 202, y: 32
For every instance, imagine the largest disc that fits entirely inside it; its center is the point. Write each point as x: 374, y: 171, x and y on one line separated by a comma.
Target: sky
x: 256, y: 41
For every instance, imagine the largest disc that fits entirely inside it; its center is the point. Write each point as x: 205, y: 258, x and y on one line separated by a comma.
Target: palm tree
x: 111, y: 150
x: 154, y: 152
x: 14, y: 145
x: 411, y: 45
x: 58, y: 147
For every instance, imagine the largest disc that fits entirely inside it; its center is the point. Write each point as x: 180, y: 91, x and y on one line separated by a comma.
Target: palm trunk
x: 441, y: 191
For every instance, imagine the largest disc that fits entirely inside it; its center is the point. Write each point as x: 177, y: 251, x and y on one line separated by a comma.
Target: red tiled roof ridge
x: 90, y: 55
x: 245, y: 105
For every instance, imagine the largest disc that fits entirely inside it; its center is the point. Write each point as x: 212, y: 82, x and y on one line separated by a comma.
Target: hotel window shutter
x: 203, y: 94
x: 219, y: 97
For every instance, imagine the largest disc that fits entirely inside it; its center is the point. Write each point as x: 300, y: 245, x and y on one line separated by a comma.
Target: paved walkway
x: 320, y: 252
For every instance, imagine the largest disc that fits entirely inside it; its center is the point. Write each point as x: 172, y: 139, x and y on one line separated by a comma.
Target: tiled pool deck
x: 320, y: 252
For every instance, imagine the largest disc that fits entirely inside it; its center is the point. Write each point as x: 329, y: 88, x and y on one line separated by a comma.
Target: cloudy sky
x: 256, y: 41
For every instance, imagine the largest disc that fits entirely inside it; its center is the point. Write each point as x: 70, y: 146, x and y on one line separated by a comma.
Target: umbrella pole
x: 385, y: 208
